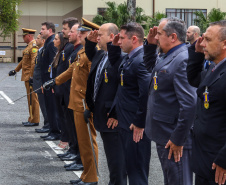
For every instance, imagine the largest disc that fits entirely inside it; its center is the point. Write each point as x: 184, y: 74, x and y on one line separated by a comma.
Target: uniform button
x: 71, y: 85
x: 72, y: 78
x: 81, y: 90
x: 74, y: 68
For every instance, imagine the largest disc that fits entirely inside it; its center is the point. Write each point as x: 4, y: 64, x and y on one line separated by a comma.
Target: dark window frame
x: 185, y: 14
x: 101, y: 11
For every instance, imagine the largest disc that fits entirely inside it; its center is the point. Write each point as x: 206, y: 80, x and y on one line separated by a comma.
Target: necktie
x: 98, y: 73
x: 207, y: 64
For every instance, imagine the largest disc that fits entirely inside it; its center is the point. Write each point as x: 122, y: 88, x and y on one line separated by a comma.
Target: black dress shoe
x: 29, y: 124
x: 75, y: 167
x: 45, y: 136
x: 86, y: 183
x: 51, y: 138
x: 24, y: 122
x: 69, y: 157
x: 42, y: 130
x: 64, y: 154
x: 67, y: 165
x: 75, y: 181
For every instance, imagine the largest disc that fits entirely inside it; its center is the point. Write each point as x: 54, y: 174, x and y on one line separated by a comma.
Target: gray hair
x: 222, y: 31
x: 175, y: 25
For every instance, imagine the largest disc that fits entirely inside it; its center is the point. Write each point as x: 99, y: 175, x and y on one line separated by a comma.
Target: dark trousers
x: 68, y: 131
x: 179, y: 173
x: 137, y: 157
x: 61, y: 107
x: 43, y: 109
x: 114, y: 153
x: 201, y: 181
x: 52, y: 113
x: 70, y: 127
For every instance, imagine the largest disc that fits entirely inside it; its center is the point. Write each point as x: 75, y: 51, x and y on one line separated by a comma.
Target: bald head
x: 193, y: 33
x: 106, y: 34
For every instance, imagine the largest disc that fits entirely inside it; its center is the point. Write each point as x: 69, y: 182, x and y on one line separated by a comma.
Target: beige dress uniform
x: 78, y: 73
x: 27, y: 65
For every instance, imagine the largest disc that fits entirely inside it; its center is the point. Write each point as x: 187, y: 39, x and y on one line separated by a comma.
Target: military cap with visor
x: 28, y: 31
x: 88, y: 26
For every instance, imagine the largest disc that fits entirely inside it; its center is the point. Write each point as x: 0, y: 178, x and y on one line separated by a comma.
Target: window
x: 186, y: 15
x: 101, y: 11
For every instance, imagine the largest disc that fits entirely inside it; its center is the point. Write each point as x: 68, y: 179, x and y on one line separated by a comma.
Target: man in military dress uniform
x: 27, y: 65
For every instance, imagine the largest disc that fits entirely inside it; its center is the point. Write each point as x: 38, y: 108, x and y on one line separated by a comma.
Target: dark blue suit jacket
x: 131, y: 98
x: 47, y: 55
x: 209, y: 133
x: 107, y: 90
x: 37, y: 75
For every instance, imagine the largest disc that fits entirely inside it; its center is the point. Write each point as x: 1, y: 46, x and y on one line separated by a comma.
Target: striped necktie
x: 98, y: 73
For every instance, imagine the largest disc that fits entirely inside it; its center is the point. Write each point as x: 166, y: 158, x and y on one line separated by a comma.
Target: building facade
x: 34, y: 12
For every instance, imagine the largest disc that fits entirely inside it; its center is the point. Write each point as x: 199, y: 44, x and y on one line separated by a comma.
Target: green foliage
x: 119, y: 15
x: 214, y: 15
x: 8, y: 17
x: 151, y: 22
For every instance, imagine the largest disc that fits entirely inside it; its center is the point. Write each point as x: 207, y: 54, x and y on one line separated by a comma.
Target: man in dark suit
x: 47, y: 55
x: 101, y: 89
x: 171, y: 102
x: 209, y: 133
x: 130, y: 104
x: 37, y: 83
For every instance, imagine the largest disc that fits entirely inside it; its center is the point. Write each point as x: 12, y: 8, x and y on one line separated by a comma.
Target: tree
x: 203, y: 22
x: 131, y: 8
x: 152, y: 21
x: 119, y: 15
x: 9, y: 17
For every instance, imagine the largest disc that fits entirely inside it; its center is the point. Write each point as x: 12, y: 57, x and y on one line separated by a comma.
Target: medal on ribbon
x: 63, y: 58
x: 77, y: 62
x: 121, y: 75
x: 206, y: 98
x: 155, y: 81
x: 69, y: 61
x: 49, y: 70
x: 106, y: 76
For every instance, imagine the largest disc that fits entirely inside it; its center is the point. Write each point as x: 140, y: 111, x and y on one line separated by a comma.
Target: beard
x: 212, y: 56
x: 190, y: 38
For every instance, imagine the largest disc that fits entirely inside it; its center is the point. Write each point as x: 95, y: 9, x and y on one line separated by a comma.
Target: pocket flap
x: 163, y: 118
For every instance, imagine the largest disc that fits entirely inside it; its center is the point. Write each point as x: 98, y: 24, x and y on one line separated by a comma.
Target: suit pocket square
x: 163, y: 71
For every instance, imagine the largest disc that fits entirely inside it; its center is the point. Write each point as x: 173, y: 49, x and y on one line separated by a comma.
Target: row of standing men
x: 132, y: 98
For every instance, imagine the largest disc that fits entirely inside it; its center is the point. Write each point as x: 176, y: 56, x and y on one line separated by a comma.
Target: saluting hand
x: 177, y: 151
x: 115, y: 40
x: 220, y: 174
x: 93, y: 36
x: 112, y: 123
x: 198, y: 47
x: 151, y: 35
x: 137, y: 133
